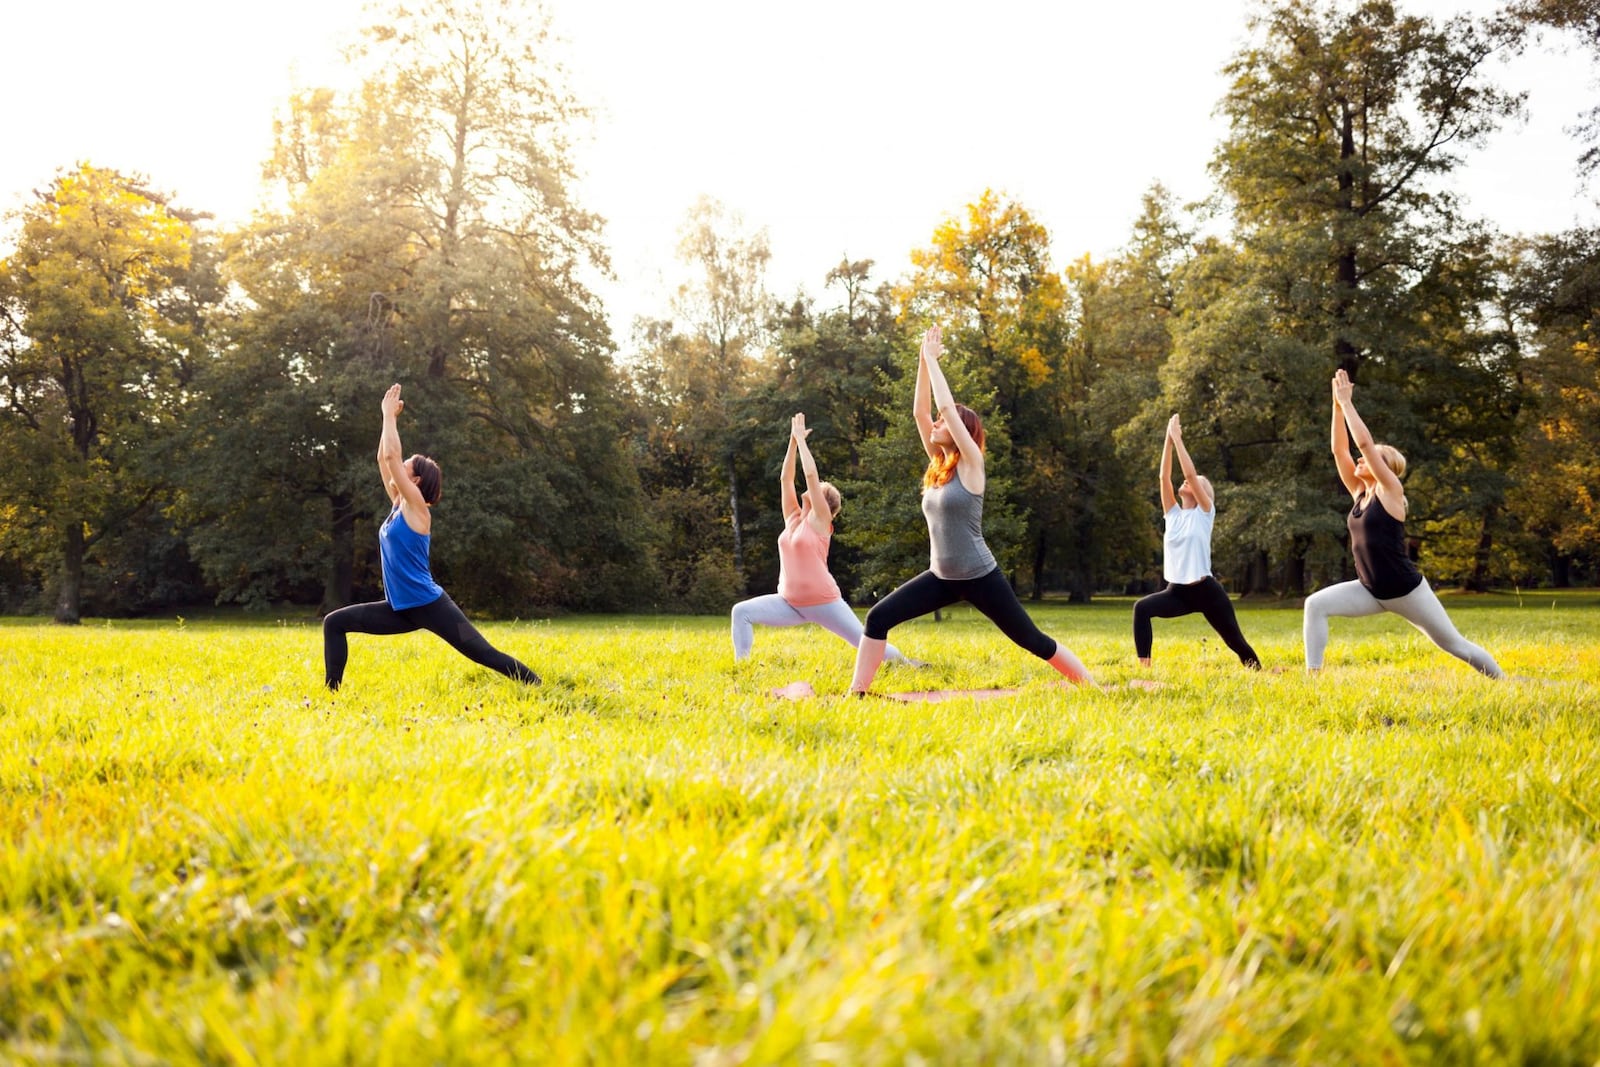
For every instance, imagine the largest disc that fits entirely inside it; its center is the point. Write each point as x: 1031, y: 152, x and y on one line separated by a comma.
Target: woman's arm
x: 1196, y: 486
x: 919, y: 408
x: 1169, y: 500
x: 970, y: 466
x: 392, y: 465
x: 1390, y: 491
x: 813, y: 479
x: 791, y: 503
x: 1340, y: 442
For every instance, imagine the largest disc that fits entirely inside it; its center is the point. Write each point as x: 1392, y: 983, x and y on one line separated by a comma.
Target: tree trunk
x: 1344, y: 299
x: 1082, y: 584
x: 738, y: 529
x: 1039, y: 548
x: 1294, y: 569
x: 1478, y: 580
x: 339, y: 587
x: 70, y: 605
x: 1257, y: 579
x: 1294, y: 575
x: 1560, y: 569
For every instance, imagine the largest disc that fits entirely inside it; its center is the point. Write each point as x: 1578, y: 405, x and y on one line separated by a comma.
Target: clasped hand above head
x: 1342, y: 387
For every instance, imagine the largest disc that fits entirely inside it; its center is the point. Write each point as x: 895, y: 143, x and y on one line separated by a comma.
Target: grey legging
x: 1420, y: 607
x: 772, y: 610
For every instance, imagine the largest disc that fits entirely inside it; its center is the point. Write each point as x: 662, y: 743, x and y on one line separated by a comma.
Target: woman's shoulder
x: 421, y: 525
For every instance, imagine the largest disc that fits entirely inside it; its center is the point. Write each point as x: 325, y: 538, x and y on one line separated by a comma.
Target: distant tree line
x: 189, y: 414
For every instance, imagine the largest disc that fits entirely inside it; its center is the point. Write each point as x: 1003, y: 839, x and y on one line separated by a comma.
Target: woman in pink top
x: 806, y: 591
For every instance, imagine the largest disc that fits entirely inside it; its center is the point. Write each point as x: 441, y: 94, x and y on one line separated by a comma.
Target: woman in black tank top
x: 1378, y: 542
x: 1386, y: 579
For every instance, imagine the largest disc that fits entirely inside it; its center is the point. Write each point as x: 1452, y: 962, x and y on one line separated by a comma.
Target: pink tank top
x: 803, y: 578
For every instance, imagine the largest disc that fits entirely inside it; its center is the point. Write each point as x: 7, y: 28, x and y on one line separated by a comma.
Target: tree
x: 100, y: 335
x: 1123, y: 311
x: 724, y: 309
x: 431, y: 238
x: 1555, y: 492
x: 1581, y: 18
x: 1340, y: 120
x: 695, y: 370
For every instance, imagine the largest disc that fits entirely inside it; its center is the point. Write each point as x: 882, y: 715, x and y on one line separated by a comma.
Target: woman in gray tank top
x: 960, y: 565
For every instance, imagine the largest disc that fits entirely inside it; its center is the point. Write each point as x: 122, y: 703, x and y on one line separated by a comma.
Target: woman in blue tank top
x: 960, y: 565
x: 412, y: 599
x: 1386, y: 579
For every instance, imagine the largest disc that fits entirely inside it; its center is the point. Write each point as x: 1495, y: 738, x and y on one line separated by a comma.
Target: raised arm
x: 798, y: 435
x: 392, y: 465
x: 1390, y: 491
x: 791, y: 502
x: 1190, y: 475
x: 1169, y: 499
x: 969, y: 465
x: 1340, y: 442
x: 920, y: 410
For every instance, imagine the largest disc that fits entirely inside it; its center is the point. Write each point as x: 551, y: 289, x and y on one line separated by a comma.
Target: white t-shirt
x: 1187, y: 548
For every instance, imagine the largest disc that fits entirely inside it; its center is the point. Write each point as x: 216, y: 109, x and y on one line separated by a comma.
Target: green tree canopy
x: 98, y: 341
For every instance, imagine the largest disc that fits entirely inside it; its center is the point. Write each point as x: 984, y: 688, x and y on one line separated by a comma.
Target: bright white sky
x: 845, y: 127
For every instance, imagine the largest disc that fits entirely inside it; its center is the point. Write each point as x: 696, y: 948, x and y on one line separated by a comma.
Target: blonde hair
x: 831, y: 496
x: 1392, y: 458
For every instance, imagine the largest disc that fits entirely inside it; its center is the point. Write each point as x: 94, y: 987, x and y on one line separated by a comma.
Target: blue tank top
x: 407, y: 579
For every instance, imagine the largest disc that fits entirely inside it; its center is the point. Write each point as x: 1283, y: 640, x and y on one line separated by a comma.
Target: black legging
x: 441, y: 617
x: 991, y: 594
x: 1205, y: 596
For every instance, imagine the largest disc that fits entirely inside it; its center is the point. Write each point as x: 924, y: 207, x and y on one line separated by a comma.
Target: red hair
x: 941, y: 470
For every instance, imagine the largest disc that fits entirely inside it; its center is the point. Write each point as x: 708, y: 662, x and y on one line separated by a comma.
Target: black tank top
x: 1378, y: 540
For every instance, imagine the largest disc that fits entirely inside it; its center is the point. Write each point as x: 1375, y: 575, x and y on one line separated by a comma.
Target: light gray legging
x: 772, y: 610
x: 1420, y: 607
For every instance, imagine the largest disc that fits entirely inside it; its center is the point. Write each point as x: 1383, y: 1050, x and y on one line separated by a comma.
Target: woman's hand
x: 932, y: 344
x: 797, y: 426
x: 1175, y: 429
x: 392, y: 404
x: 1341, y: 387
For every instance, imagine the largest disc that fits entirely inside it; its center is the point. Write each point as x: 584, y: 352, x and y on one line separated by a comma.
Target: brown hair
x: 432, y: 479
x: 941, y: 470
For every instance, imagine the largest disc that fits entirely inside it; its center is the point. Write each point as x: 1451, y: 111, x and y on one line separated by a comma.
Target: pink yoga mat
x: 937, y: 696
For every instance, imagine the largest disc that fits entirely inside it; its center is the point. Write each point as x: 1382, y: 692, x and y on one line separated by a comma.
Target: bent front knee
x: 1316, y: 605
x: 877, y: 625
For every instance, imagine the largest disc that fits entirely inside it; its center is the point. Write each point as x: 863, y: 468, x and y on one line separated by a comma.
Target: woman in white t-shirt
x: 1186, y: 561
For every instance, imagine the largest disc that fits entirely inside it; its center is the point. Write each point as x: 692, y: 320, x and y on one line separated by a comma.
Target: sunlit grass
x: 204, y: 857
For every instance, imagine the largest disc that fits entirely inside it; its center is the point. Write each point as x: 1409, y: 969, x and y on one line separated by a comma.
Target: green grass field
x: 206, y: 858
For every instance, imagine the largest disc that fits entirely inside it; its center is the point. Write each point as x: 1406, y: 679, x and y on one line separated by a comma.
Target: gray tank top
x: 956, y: 551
